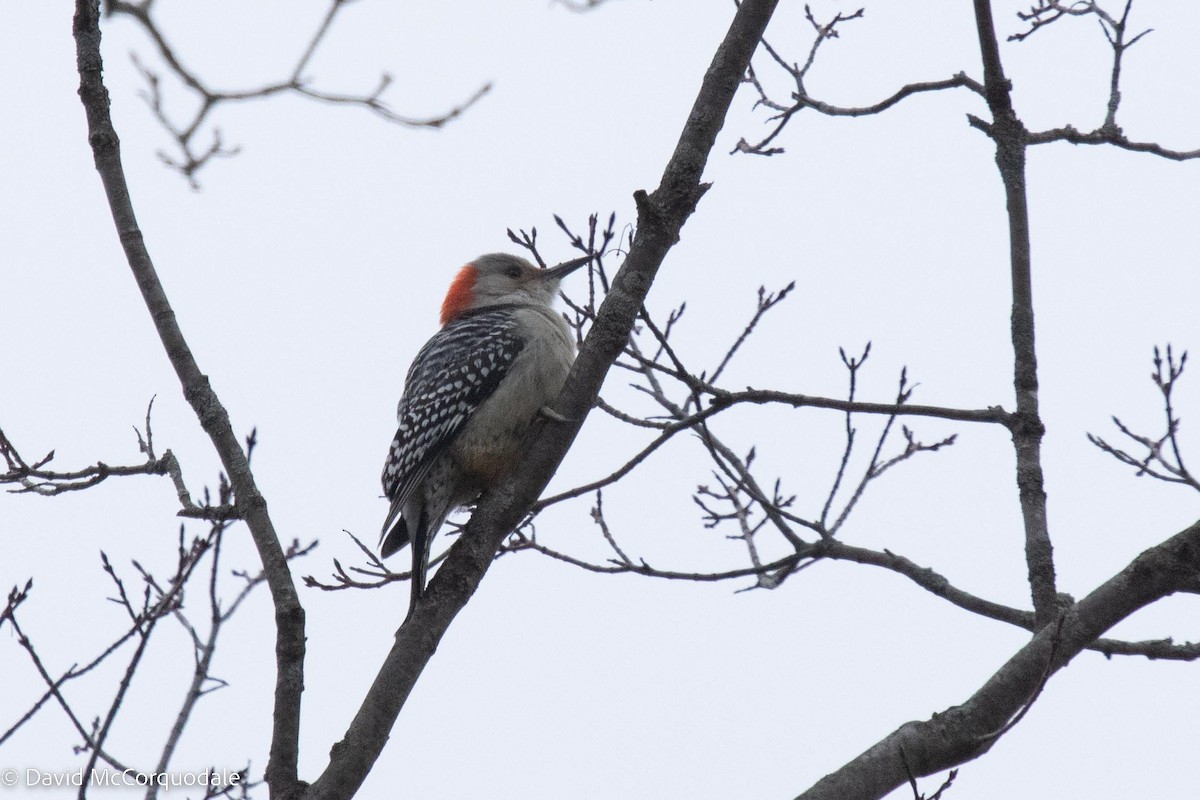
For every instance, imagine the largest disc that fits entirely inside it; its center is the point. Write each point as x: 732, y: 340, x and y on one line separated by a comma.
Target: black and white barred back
x: 456, y: 371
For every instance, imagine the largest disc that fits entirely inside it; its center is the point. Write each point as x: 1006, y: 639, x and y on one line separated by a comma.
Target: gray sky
x: 308, y: 272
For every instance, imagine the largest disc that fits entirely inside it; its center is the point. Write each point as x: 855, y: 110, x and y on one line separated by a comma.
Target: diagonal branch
x: 967, y: 731
x: 830, y: 549
x: 252, y: 507
x: 661, y: 216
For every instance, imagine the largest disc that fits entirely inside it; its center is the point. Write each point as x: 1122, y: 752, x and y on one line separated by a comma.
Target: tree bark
x: 661, y: 216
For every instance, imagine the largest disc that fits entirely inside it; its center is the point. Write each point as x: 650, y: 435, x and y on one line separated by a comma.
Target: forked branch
x: 191, y: 155
x: 1163, y: 456
x: 968, y: 730
x: 661, y: 217
x: 1116, y: 32
x: 250, y: 504
x: 802, y: 99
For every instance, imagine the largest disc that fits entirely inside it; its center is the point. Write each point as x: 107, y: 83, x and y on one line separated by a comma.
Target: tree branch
x: 252, y: 507
x: 661, y: 215
x: 1046, y: 12
x: 1111, y: 136
x: 38, y: 480
x: 1010, y: 136
x: 801, y: 99
x: 930, y: 580
x: 192, y: 160
x: 967, y: 731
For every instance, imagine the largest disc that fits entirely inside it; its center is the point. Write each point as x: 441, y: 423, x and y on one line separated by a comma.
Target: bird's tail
x: 395, y: 532
x: 416, y: 527
x: 421, y: 536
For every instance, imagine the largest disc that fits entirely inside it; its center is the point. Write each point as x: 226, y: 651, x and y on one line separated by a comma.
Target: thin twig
x: 191, y: 157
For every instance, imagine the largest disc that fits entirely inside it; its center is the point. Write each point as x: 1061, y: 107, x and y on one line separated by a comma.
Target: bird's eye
x: 513, y: 272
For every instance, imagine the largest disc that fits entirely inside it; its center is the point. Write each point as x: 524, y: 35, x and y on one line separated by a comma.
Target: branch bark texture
x: 251, y: 506
x: 661, y: 216
x: 1011, y: 138
x: 967, y: 731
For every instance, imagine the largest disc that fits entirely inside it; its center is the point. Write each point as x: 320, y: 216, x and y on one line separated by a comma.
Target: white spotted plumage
x: 471, y: 396
x: 455, y: 371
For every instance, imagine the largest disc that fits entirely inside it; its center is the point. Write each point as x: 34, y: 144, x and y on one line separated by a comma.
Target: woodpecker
x: 471, y: 394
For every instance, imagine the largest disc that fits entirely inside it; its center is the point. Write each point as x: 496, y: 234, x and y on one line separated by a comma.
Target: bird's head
x: 499, y: 278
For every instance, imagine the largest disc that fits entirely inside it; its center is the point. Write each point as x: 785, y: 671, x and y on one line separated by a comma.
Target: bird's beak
x: 566, y: 268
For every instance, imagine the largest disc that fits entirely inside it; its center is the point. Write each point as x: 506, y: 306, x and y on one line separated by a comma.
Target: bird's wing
x: 453, y: 374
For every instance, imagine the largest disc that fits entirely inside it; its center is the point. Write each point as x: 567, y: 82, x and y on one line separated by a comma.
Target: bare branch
x: 203, y: 682
x: 1116, y: 32
x: 661, y: 217
x: 1055, y: 641
x: 377, y: 573
x: 165, y: 603
x: 852, y: 366
x: 1110, y: 136
x: 48, y: 483
x: 766, y: 301
x: 1046, y: 12
x: 1010, y: 137
x: 802, y: 99
x: 54, y: 690
x: 1163, y: 459
x: 36, y: 479
x: 519, y: 541
x: 289, y: 615
x: 964, y: 732
x: 994, y: 414
x: 912, y: 779
x: 834, y: 550
x: 876, y: 467
x: 192, y: 158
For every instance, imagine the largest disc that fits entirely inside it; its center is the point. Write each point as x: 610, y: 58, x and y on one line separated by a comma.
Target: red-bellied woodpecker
x: 471, y: 394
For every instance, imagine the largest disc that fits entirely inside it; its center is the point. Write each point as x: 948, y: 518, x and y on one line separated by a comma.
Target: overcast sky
x: 308, y: 270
